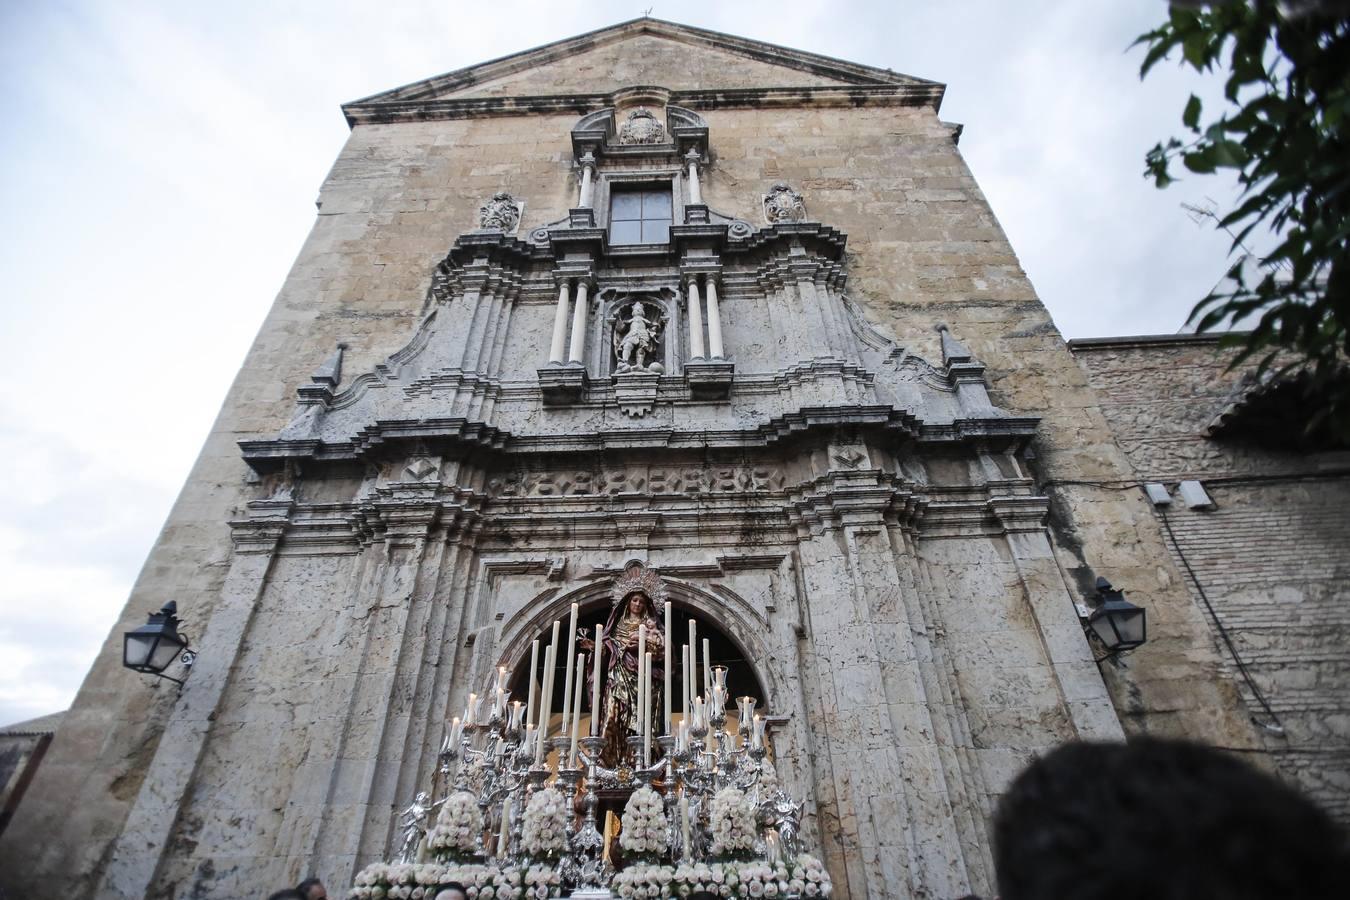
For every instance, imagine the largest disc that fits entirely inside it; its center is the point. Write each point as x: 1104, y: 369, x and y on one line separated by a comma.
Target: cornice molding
x: 384, y: 112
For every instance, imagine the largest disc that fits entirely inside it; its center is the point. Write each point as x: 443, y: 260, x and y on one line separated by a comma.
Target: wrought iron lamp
x: 152, y: 647
x: 1116, y: 623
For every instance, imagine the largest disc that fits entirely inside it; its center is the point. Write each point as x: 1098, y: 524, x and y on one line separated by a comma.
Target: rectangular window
x: 639, y: 215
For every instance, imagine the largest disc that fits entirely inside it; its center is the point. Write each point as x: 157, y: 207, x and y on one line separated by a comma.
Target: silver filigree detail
x: 501, y: 213
x: 641, y: 127
x: 783, y: 204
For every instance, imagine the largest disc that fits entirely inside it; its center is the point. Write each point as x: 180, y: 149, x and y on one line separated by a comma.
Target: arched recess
x: 733, y: 627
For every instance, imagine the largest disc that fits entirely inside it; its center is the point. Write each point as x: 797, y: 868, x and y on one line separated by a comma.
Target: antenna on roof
x: 1209, y: 209
x: 648, y: 11
x: 1199, y: 212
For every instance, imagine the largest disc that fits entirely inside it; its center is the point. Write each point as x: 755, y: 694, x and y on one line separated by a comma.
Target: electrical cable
x: 1274, y: 725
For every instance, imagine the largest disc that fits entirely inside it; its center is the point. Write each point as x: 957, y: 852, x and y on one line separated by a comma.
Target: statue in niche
x: 641, y: 127
x: 637, y: 339
x: 783, y: 204
x: 619, y: 713
x: 501, y: 213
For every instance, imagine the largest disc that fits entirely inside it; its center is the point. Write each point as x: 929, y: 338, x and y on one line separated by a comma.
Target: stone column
x: 555, y: 353
x: 587, y: 182
x: 579, y: 323
x: 171, y: 773
x: 695, y: 191
x: 714, y: 321
x: 695, y: 318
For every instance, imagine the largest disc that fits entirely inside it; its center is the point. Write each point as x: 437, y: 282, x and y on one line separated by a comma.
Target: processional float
x: 705, y: 812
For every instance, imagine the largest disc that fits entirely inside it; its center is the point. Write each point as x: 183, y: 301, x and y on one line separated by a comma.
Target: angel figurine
x: 413, y: 821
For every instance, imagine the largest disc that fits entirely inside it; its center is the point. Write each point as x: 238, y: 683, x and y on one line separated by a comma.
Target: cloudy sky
x: 158, y: 168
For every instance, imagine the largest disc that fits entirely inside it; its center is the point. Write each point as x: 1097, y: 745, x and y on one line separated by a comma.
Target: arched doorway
x: 722, y: 649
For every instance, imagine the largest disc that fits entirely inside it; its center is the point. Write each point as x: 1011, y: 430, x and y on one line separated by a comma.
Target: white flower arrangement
x: 733, y: 823
x: 644, y: 824
x: 458, y: 829
x: 542, y: 882
x: 383, y: 881
x: 544, y: 831
x: 644, y: 880
x: 811, y: 873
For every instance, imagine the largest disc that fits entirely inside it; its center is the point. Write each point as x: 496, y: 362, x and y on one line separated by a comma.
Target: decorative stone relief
x: 641, y: 127
x: 501, y: 213
x: 658, y: 481
x: 637, y: 338
x: 783, y: 204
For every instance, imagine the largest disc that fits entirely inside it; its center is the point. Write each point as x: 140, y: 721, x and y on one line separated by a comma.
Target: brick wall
x: 1272, y: 557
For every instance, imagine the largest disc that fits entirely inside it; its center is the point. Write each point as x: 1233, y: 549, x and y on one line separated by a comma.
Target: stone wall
x: 942, y: 651
x: 1272, y: 557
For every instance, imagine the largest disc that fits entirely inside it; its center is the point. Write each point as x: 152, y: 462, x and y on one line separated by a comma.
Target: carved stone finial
x: 953, y: 351
x: 330, y: 372
x: 642, y: 127
x: 501, y: 213
x: 783, y: 204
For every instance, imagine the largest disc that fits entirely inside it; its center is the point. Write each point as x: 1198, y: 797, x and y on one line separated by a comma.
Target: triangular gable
x: 604, y: 60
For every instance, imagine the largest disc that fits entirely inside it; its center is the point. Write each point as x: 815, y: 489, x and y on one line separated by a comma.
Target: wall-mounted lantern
x: 152, y: 647
x: 1116, y: 623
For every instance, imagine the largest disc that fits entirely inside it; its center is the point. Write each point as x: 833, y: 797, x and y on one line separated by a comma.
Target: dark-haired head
x: 1164, y: 820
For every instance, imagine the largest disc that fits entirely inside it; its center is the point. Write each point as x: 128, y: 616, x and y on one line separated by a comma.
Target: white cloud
x: 160, y: 160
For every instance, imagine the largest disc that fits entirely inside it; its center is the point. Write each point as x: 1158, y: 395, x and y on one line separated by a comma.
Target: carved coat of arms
x: 642, y: 127
x: 501, y: 213
x: 783, y: 204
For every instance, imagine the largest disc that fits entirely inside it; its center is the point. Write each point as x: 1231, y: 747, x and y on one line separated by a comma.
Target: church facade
x: 733, y: 314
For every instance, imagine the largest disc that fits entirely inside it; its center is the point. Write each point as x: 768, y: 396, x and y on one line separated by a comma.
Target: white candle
x: 667, y: 721
x: 684, y: 825
x: 576, y: 713
x: 545, y: 706
x: 637, y: 711
x: 647, y: 712
x: 644, y: 684
x: 684, y: 682
x: 456, y: 732
x: 571, y: 651
x: 595, y: 682
x: 471, y: 711
x: 506, y: 819
x: 757, y: 734
x: 693, y: 657
x: 707, y: 670
x: 534, y: 670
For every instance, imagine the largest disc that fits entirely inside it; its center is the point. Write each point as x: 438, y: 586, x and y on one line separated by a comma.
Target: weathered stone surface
x: 1272, y: 557
x: 862, y: 517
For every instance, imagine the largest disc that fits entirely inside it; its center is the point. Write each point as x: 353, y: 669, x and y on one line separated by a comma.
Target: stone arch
x: 736, y: 620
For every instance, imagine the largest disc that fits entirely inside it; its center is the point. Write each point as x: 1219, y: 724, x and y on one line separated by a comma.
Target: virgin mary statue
x: 620, y: 716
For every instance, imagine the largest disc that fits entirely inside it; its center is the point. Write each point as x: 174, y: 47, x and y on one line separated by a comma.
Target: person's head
x: 637, y: 604
x: 287, y: 894
x: 1163, y: 820
x: 452, y: 891
x: 312, y: 889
